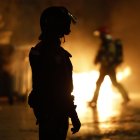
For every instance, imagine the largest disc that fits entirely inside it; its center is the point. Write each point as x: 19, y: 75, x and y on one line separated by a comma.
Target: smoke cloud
x: 121, y: 16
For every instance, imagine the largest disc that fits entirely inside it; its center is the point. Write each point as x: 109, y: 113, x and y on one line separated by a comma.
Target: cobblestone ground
x: 18, y: 123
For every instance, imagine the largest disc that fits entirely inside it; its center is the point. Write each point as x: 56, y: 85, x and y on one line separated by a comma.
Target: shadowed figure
x: 109, y: 56
x: 51, y: 97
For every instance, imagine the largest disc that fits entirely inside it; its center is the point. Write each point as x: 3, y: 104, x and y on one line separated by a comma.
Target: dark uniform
x: 51, y: 97
x: 109, y: 56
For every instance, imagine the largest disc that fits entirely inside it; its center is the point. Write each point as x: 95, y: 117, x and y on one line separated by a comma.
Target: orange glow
x: 96, y: 33
x: 84, y: 86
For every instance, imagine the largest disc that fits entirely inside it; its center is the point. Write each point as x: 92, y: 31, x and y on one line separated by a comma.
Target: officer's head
x: 55, y: 21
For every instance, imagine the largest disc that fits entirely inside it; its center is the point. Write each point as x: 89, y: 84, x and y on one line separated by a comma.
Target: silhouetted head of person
x: 55, y: 22
x: 103, y: 33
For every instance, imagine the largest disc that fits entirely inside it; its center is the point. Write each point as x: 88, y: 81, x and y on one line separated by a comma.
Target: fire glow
x: 85, y: 83
x: 108, y: 101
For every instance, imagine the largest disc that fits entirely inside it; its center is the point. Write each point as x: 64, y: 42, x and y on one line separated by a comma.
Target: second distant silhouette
x: 109, y: 56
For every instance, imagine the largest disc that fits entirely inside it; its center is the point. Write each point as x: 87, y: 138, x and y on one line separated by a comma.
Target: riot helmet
x: 55, y: 21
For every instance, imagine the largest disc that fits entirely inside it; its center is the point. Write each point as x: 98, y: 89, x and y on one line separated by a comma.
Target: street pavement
x: 109, y: 121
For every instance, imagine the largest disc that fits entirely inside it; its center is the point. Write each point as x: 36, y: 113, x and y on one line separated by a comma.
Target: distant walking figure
x: 51, y: 97
x: 109, y: 56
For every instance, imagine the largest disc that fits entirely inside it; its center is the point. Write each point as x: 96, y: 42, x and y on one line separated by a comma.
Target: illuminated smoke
x: 122, y: 16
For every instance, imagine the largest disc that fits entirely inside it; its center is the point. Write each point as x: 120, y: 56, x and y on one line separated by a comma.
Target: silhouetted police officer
x: 109, y: 56
x: 51, y: 97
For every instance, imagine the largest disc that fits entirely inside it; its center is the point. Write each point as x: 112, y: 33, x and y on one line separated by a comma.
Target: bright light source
x: 85, y: 84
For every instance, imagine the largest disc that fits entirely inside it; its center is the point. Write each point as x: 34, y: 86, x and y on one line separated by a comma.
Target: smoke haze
x: 121, y: 16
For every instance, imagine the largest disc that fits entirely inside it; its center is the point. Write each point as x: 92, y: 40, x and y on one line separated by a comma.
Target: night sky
x: 122, y: 18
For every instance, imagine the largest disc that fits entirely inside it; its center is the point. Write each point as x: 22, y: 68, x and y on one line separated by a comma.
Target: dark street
x: 109, y: 121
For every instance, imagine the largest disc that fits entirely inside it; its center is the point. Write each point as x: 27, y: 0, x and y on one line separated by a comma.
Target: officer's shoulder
x: 34, y: 51
x: 66, y: 52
